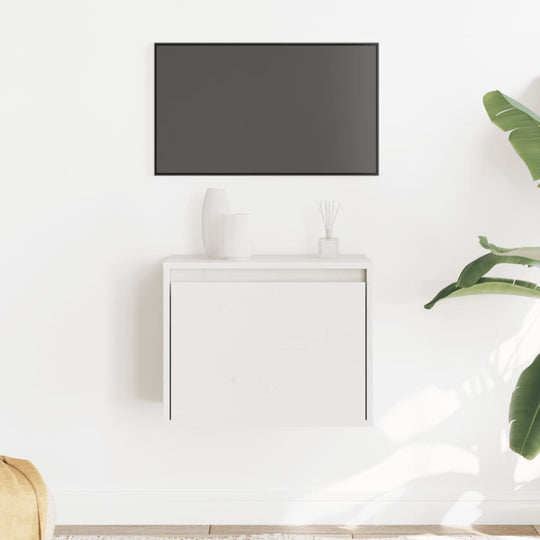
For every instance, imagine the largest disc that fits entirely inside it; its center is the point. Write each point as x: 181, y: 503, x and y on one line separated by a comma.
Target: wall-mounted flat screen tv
x: 266, y: 108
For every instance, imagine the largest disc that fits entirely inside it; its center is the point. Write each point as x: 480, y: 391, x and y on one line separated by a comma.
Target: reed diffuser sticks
x: 329, y: 211
x: 328, y: 245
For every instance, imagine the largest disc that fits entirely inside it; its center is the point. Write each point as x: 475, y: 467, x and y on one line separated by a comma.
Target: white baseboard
x: 291, y: 508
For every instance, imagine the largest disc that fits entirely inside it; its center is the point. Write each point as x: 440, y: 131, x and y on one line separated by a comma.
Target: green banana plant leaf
x: 523, y: 124
x: 529, y: 252
x: 524, y: 412
x: 527, y: 256
x: 488, y: 286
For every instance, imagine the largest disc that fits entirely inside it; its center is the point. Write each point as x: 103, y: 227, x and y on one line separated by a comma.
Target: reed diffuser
x: 328, y: 245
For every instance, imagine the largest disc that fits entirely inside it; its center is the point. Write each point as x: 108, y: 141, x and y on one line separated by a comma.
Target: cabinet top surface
x: 268, y: 261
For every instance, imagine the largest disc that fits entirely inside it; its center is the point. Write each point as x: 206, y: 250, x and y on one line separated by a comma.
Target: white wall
x: 84, y: 226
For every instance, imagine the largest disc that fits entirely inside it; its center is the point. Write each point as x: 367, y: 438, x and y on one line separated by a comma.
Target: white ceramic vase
x: 237, y: 236
x: 216, y: 203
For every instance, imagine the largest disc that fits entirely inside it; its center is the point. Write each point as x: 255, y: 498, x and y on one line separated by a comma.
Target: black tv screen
x: 266, y: 108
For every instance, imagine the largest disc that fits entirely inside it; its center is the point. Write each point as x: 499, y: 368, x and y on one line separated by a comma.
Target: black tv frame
x: 239, y: 44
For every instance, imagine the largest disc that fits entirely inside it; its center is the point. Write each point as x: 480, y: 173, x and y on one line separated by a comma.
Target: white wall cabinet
x: 273, y: 341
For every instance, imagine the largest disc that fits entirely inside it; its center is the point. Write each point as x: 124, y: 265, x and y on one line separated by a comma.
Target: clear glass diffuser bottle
x: 328, y: 245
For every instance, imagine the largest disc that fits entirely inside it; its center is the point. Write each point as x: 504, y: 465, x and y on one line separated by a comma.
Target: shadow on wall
x: 422, y: 461
x: 149, y: 335
x: 138, y: 335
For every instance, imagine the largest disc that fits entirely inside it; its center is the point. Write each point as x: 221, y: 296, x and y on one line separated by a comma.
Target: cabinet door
x: 268, y: 353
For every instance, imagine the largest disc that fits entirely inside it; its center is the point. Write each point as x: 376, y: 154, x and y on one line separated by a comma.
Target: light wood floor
x: 341, y: 531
